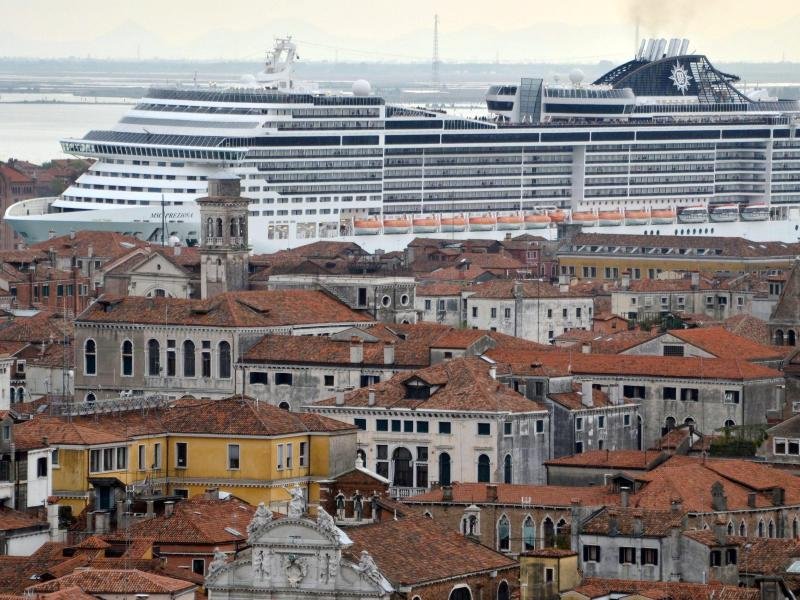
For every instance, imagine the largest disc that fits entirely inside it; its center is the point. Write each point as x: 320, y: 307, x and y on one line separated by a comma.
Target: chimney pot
x: 447, y: 493
x: 169, y: 508
x: 388, y: 353
x: 586, y: 394
x: 339, y: 397
x: 356, y: 350
x: 624, y: 494
x: 491, y: 493
x: 371, y: 397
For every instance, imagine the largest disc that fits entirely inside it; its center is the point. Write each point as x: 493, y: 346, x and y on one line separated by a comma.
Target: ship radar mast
x: 279, y: 65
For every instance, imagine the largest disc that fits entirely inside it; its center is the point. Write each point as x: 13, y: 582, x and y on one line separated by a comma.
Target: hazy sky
x: 531, y: 30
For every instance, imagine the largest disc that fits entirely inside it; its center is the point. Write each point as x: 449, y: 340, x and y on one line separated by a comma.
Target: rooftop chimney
x: 388, y: 353
x: 447, y: 493
x: 751, y: 499
x: 169, y: 508
x: 624, y: 495
x: 493, y: 371
x: 638, y: 526
x: 51, y: 234
x: 72, y: 234
x: 695, y: 280
x: 212, y: 494
x: 491, y: 493
x: 586, y: 394
x: 676, y: 506
x: 356, y: 350
x: 586, y: 348
x: 339, y: 397
x: 176, y: 250
x: 563, y: 284
x: 720, y: 531
x: 371, y: 397
x: 626, y: 280
x: 613, y: 524
x: 777, y: 496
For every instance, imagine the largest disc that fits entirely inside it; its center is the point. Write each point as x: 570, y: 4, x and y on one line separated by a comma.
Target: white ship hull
x: 145, y: 223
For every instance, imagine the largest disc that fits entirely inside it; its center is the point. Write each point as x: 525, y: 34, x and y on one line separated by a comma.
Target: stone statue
x: 324, y: 520
x: 368, y: 568
x: 330, y: 567
x: 219, y: 561
x: 261, y: 563
x: 358, y: 505
x: 262, y: 516
x: 340, y: 506
x: 374, y: 506
x: 297, y: 505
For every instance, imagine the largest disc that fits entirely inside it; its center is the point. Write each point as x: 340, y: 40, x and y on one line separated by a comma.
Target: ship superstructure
x: 663, y: 144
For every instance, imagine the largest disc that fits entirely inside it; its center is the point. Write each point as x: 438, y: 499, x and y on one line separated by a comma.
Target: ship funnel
x: 684, y: 47
x: 673, y: 47
x: 640, y: 53
x: 662, y: 45
x: 648, y: 50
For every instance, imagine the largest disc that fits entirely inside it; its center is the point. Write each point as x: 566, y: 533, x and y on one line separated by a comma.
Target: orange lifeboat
x: 482, y: 223
x: 557, y: 216
x: 636, y: 217
x: 662, y: 216
x: 452, y: 224
x: 587, y: 218
x: 536, y: 221
x: 425, y: 224
x: 609, y: 218
x: 366, y: 226
x: 506, y: 222
x: 396, y: 225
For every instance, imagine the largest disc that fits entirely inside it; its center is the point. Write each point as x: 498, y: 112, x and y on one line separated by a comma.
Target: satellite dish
x: 576, y: 76
x: 362, y: 87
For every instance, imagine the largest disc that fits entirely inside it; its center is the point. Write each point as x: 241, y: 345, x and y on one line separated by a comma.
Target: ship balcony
x: 31, y: 207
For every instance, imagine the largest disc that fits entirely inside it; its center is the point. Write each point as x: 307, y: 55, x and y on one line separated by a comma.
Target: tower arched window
x: 219, y: 227
x: 779, y: 337
x: 234, y: 227
x: 153, y: 358
x: 188, y: 359
x: 127, y: 358
x: 791, y: 338
x: 484, y: 469
x: 528, y: 534
x: 210, y: 227
x: 90, y: 357
x: 242, y: 227
x: 224, y: 360
x: 507, y: 469
x: 444, y: 468
x: 761, y: 528
x: 742, y: 529
x: 503, y: 591
x: 771, y: 529
x: 503, y: 534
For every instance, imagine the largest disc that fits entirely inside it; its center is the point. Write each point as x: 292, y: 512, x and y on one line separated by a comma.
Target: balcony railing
x: 398, y: 492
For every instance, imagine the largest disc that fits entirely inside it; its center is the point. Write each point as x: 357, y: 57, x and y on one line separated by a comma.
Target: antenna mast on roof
x: 435, y: 64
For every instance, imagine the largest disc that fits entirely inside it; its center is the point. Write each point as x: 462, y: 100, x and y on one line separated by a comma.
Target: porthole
x: 386, y: 301
x: 404, y: 300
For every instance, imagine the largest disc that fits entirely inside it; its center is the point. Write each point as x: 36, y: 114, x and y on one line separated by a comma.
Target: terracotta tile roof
x: 422, y: 550
x: 505, y: 289
x: 513, y: 493
x: 767, y: 556
x: 550, y: 553
x: 40, y: 327
x: 13, y: 176
x: 11, y: 519
x: 105, y: 244
x: 441, y: 289
x: 598, y: 588
x: 574, y: 400
x: 708, y: 537
x: 456, y: 274
x: 93, y: 543
x: 324, y: 249
x: 115, y: 581
x: 521, y: 362
x: 458, y: 384
x: 723, y: 344
x: 653, y: 523
x: 611, y: 459
x: 749, y: 327
x: 31, y: 434
x: 70, y: 593
x: 251, y: 309
x: 24, y: 256
x: 683, y: 284
x: 199, y: 520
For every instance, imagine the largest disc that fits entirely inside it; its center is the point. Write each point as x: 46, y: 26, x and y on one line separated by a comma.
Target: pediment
x: 156, y: 264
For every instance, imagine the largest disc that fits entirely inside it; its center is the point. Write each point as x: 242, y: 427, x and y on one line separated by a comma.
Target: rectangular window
x: 669, y: 393
x: 474, y: 311
x: 577, y: 313
x: 41, y: 467
x: 564, y: 312
x: 444, y: 427
x: 108, y: 459
x: 780, y: 446
x: 690, y: 394
x: 396, y: 425
x: 329, y: 381
x: 730, y: 556
x: 508, y: 428
x: 601, y: 422
x: 199, y: 566
x: 302, y: 459
x: 233, y: 456
x: 289, y: 455
x: 672, y: 350
x: 633, y: 391
x: 579, y: 424
x: 382, y: 464
x: 408, y: 426
x: 715, y: 558
x: 361, y: 424
x: 156, y: 456
x: 549, y: 313
x: 54, y: 457
x: 627, y: 555
x: 95, y: 461
x: 649, y: 556
x: 493, y: 314
x: 591, y: 554
x: 142, y: 458
x: 731, y: 396
x: 626, y: 420
x: 507, y: 313
x: 427, y: 304
x: 578, y: 447
x: 259, y: 377
x: 283, y: 379
x: 422, y: 427
x: 793, y: 447
x: 280, y: 456
x: 484, y: 429
x: 382, y: 425
x: 122, y: 458
x: 206, y: 358
x: 181, y: 453
x: 539, y: 425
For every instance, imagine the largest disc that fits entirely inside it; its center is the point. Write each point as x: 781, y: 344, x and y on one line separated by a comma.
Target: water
x: 31, y: 131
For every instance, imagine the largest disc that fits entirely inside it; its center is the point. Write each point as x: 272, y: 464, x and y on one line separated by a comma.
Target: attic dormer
x: 418, y: 389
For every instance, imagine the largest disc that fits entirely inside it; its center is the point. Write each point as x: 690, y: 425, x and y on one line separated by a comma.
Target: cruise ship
x: 664, y: 144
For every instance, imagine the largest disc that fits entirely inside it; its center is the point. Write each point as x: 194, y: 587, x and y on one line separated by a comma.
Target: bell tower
x: 224, y: 252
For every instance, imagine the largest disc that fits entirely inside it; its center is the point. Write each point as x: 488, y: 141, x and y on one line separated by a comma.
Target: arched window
x: 363, y: 456
x: 284, y: 405
x: 444, y: 468
x: 791, y: 338
x: 779, y: 337
x: 90, y: 398
x: 528, y: 534
x: 403, y: 474
x: 90, y: 358
x: 761, y: 528
x: 795, y: 528
x: 548, y: 533
x: 219, y: 227
x: 742, y: 529
x: 670, y: 423
x: 188, y: 359
x: 127, y: 358
x: 561, y: 528
x: 12, y: 396
x: 730, y: 527
x: 461, y: 592
x: 242, y: 227
x: 503, y: 534
x: 20, y: 394
x: 730, y: 423
x: 507, y: 469
x: 484, y: 469
x: 153, y: 358
x: 771, y: 528
x: 502, y: 591
x: 234, y: 227
x: 688, y: 421
x: 210, y: 227
x: 224, y: 360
